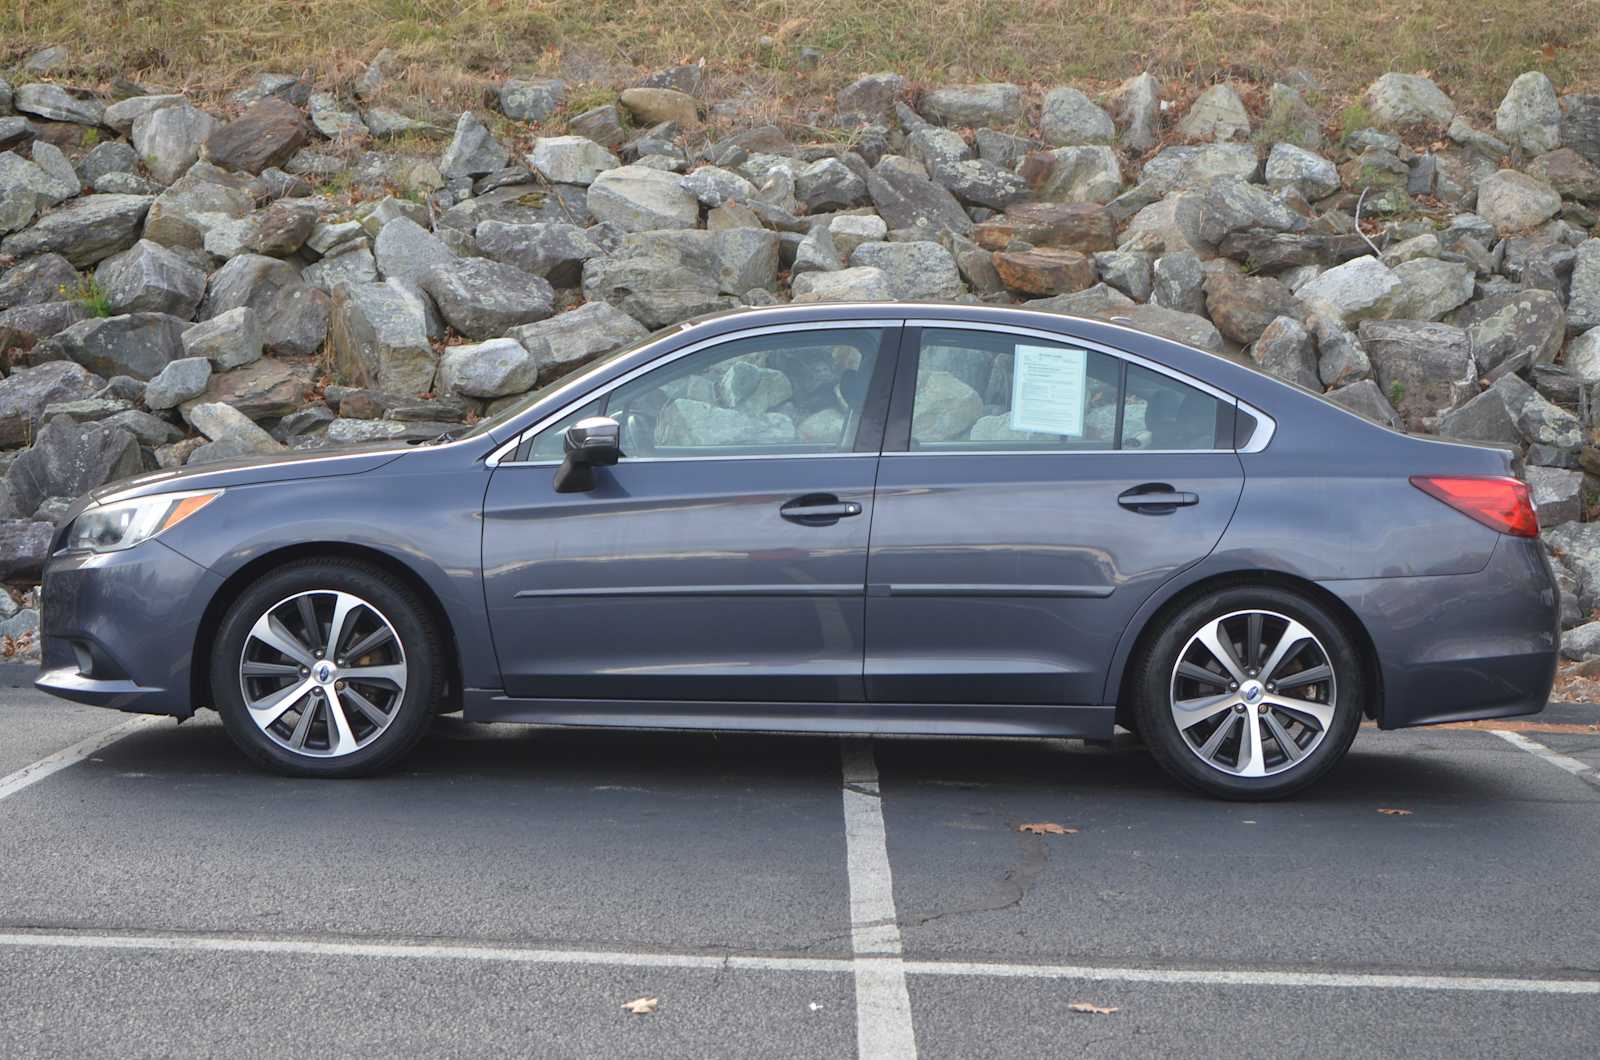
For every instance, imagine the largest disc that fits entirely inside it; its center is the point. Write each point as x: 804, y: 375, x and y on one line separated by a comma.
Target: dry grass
x: 448, y: 48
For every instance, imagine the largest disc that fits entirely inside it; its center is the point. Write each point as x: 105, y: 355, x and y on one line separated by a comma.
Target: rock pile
x: 180, y: 284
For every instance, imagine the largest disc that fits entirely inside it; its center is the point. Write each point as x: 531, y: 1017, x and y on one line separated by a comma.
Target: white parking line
x: 444, y: 951
x: 1581, y: 770
x: 27, y: 775
x: 883, y: 1004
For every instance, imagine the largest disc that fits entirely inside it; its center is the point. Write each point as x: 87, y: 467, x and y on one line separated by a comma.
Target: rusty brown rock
x: 1045, y: 272
x: 1084, y: 227
x: 266, y: 134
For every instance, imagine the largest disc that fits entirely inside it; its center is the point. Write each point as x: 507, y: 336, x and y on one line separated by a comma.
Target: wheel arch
x: 1174, y: 597
x: 236, y: 583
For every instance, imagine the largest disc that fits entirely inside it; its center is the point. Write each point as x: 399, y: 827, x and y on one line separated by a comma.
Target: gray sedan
x: 835, y: 518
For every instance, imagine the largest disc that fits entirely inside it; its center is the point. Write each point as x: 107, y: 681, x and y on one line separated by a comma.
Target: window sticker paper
x: 1049, y: 390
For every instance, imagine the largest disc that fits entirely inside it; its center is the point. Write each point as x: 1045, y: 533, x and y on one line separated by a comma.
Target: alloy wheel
x: 323, y: 673
x: 1253, y: 693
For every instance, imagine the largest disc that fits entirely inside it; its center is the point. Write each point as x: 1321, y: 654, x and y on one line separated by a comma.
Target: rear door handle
x: 818, y: 509
x: 1156, y: 498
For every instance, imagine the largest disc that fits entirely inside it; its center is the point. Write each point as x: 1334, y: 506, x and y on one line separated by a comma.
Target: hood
x: 250, y: 471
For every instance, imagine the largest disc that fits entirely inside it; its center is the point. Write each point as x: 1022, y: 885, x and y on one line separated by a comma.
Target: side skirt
x: 918, y: 719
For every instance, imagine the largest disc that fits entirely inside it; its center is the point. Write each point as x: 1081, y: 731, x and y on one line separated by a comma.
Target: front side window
x: 786, y: 393
x: 979, y: 390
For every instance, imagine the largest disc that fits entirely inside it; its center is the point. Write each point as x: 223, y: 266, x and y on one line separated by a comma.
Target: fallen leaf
x: 641, y: 1006
x: 1046, y: 828
x: 1093, y: 1010
x: 1392, y: 812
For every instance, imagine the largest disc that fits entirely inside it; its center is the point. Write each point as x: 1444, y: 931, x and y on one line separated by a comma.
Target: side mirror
x: 590, y: 443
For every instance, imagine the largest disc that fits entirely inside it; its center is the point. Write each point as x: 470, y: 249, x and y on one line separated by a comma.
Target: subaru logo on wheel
x: 324, y: 672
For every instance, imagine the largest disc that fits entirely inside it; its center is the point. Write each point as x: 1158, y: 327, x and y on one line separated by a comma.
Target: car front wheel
x: 1250, y: 693
x: 326, y: 668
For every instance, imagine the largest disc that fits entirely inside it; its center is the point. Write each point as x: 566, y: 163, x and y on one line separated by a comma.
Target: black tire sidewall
x: 1152, y: 690
x: 397, y: 602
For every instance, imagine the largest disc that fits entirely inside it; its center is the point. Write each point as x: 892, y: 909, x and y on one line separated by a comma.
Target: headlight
x: 123, y: 524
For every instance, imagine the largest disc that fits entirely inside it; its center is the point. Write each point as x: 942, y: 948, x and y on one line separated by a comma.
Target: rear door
x: 1032, y: 493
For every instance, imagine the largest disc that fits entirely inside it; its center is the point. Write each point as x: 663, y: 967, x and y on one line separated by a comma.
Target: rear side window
x: 1160, y: 413
x: 986, y: 390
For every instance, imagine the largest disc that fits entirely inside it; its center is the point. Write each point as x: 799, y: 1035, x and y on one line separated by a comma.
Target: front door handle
x: 818, y: 509
x: 1156, y: 498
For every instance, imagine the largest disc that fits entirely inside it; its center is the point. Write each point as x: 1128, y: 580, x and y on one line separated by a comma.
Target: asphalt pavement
x: 511, y: 888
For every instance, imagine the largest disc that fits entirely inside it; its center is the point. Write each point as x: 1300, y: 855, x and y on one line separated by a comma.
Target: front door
x: 724, y: 557
x: 1040, y: 492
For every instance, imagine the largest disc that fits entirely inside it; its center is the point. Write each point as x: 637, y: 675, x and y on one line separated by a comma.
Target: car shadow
x: 1377, y: 771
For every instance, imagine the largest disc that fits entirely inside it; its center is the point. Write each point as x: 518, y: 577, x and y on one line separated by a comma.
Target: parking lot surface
x: 510, y: 888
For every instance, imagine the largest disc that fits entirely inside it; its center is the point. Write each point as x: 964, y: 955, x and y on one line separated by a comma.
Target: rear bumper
x: 119, y: 628
x: 1463, y: 647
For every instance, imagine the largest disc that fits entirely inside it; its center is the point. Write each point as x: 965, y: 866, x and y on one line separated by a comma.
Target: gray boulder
x: 1425, y: 369
x: 482, y: 299
x: 1137, y: 106
x: 379, y: 335
x: 179, y: 381
x: 135, y: 344
x: 917, y: 270
x: 35, y: 281
x: 857, y: 284
x: 712, y: 186
x: 24, y: 546
x: 640, y: 199
x: 1430, y: 288
x: 27, y: 392
x: 230, y: 430
x: 1513, y: 330
x: 985, y: 104
x: 1178, y: 282
x: 868, y: 99
x: 531, y: 100
x: 1341, y: 359
x: 267, y: 134
x: 1557, y: 494
x: 68, y: 459
x: 149, y: 278
x: 473, y: 151
x: 231, y: 339
x: 1216, y: 114
x: 85, y: 231
x: 292, y: 314
x: 404, y: 250
x: 828, y: 184
x: 1529, y: 117
x: 54, y: 103
x: 1183, y: 167
x: 201, y: 199
x: 1580, y: 125
x: 335, y: 119
x: 570, y: 159
x: 1583, y: 305
x: 353, y: 264
x: 908, y: 200
x: 1081, y: 174
x: 1514, y: 202
x: 105, y: 158
x: 554, y: 250
x: 1408, y: 99
x: 121, y: 115
x: 169, y: 139
x: 25, y: 326
x: 570, y: 340
x: 1361, y: 289
x: 1286, y: 350
x: 1068, y: 118
x: 1365, y: 398
x: 497, y: 368
x: 1305, y: 171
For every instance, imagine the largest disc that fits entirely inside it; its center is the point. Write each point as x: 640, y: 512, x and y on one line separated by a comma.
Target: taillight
x: 1502, y: 504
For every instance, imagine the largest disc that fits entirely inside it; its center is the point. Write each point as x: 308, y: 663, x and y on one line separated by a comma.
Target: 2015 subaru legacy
x: 835, y: 518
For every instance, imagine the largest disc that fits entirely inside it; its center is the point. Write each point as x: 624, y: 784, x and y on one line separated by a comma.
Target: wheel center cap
x: 1251, y: 691
x: 324, y: 671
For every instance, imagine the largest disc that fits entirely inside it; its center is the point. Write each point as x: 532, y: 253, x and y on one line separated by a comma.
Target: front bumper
x: 119, y: 628
x: 1463, y: 647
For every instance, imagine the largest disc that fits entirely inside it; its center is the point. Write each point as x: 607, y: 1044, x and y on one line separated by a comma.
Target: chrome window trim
x: 498, y: 458
x: 1070, y: 340
x: 1266, y: 427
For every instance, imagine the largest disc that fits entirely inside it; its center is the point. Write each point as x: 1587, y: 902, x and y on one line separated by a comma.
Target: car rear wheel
x: 1249, y: 693
x: 326, y: 668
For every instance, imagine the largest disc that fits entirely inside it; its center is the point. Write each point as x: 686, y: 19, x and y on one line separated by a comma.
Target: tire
x: 276, y: 691
x: 1250, y: 739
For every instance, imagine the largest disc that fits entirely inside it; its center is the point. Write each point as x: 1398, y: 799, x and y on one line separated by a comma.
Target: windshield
x: 533, y: 397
